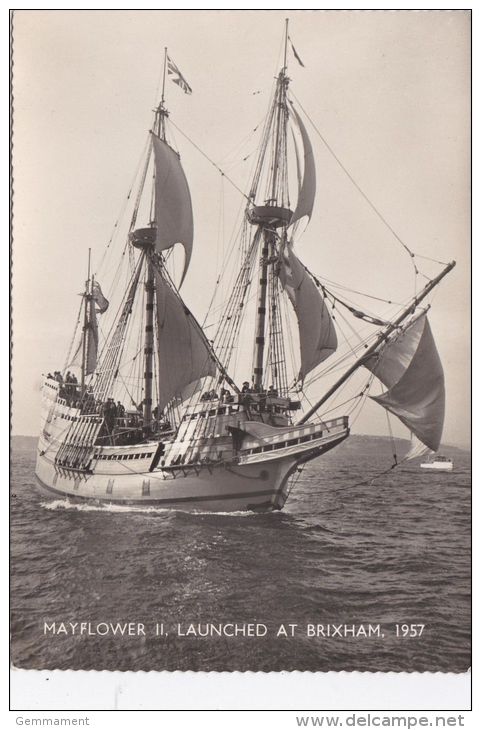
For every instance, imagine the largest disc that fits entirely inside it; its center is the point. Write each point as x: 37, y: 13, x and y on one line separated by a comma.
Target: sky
x: 390, y: 92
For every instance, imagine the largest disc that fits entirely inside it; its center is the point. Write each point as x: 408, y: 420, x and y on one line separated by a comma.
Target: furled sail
x: 173, y: 206
x: 317, y: 336
x: 92, y: 339
x: 307, y: 189
x: 410, y: 367
x: 184, y: 354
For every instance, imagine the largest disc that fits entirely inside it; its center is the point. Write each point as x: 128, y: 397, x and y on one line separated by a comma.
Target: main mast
x: 144, y: 239
x: 148, y: 348
x: 158, y: 128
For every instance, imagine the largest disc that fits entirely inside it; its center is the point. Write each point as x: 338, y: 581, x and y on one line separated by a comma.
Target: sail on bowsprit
x: 317, y: 336
x: 173, y: 205
x: 410, y: 367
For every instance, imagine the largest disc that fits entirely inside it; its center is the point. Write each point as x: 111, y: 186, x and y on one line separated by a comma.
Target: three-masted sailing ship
x: 149, y: 410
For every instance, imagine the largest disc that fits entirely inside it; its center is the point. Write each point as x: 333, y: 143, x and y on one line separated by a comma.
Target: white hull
x: 438, y: 466
x: 220, y: 488
x: 255, y: 477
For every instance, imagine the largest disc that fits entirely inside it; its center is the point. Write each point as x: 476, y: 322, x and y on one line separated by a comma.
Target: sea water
x: 342, y: 579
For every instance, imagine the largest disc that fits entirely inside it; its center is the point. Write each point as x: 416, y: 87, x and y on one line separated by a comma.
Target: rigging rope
x: 391, y: 437
x: 369, y: 480
x: 356, y: 312
x: 74, y: 337
x: 211, y: 161
x: 123, y: 208
x: 361, y: 192
x: 353, y: 291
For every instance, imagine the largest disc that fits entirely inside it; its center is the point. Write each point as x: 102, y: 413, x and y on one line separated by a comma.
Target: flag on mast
x: 99, y: 299
x: 177, y: 76
x: 296, y: 55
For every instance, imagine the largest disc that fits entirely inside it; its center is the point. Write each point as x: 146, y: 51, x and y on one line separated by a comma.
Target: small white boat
x: 438, y: 463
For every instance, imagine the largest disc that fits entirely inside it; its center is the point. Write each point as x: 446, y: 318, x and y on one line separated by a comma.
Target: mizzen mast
x: 86, y: 297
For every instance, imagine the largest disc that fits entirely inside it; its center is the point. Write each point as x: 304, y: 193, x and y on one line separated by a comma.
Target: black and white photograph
x: 241, y: 341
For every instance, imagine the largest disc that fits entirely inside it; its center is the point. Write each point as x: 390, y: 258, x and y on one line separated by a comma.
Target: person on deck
x: 226, y: 395
x: 109, y: 411
x: 69, y: 389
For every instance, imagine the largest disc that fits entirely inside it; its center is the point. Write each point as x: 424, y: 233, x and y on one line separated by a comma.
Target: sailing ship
x: 158, y: 414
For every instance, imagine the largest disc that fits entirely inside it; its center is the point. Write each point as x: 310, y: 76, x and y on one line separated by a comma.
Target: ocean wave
x: 64, y: 504
x: 392, y: 552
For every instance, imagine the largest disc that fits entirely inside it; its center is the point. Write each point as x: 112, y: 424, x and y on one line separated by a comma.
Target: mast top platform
x: 272, y: 216
x: 143, y: 238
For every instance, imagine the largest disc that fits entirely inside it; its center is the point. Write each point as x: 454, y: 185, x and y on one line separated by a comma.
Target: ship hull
x: 221, y: 488
x: 260, y: 486
x: 212, y: 476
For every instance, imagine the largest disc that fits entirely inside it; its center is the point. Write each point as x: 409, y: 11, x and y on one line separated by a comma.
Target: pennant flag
x: 99, y: 299
x: 177, y: 77
x: 296, y: 55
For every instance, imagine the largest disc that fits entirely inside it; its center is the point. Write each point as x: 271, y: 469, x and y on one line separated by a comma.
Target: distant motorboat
x: 438, y: 463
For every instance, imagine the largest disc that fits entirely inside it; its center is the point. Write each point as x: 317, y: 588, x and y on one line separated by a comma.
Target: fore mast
x: 272, y: 220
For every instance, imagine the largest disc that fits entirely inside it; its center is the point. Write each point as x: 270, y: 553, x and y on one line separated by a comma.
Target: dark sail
x: 317, y: 336
x: 410, y: 367
x: 184, y: 355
